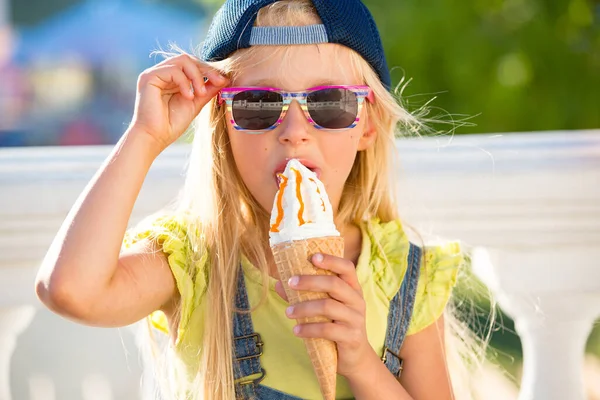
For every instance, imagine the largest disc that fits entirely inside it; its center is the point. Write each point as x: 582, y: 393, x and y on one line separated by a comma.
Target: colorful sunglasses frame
x: 362, y: 92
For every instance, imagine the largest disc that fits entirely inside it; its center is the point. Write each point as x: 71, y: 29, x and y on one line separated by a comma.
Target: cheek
x: 356, y: 134
x: 343, y: 147
x: 340, y: 154
x: 250, y: 155
x: 239, y: 148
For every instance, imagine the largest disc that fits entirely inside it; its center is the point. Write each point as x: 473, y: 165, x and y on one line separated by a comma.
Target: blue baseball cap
x: 346, y: 22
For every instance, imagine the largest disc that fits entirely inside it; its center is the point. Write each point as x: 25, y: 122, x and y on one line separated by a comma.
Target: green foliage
x: 517, y: 65
x: 513, y: 65
x: 211, y: 5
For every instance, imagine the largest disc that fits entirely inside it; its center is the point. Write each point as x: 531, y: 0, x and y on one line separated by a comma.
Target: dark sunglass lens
x: 333, y: 108
x: 256, y: 109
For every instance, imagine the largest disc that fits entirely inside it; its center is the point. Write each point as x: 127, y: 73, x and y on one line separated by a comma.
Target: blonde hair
x: 230, y: 222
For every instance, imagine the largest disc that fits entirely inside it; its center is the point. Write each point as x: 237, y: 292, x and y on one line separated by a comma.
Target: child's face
x: 259, y: 157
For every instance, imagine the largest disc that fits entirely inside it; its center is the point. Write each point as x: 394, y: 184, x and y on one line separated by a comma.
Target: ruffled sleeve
x: 389, y: 251
x: 436, y: 281
x: 187, y: 260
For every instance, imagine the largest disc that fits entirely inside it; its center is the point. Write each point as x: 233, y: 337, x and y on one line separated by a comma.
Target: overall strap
x: 401, y: 308
x: 247, y: 345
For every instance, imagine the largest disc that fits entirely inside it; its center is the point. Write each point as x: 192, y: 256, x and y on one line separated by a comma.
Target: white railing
x: 529, y: 203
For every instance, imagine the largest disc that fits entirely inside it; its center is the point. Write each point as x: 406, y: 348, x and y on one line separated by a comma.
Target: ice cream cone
x: 293, y: 258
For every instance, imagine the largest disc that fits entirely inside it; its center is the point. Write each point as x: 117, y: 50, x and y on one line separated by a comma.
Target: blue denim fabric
x: 401, y: 308
x: 248, y: 344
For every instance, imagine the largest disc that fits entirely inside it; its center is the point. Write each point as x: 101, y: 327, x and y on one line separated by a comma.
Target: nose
x: 295, y: 129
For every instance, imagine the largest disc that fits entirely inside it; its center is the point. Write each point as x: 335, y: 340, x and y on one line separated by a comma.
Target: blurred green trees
x: 515, y: 65
x: 521, y: 64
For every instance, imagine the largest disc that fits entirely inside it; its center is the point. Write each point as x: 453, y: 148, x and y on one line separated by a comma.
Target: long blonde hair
x: 230, y: 222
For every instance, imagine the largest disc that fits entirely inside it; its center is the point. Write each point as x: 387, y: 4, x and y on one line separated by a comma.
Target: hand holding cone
x: 301, y: 226
x: 293, y: 258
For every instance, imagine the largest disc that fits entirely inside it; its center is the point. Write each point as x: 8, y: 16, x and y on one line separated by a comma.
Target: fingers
x: 171, y: 79
x: 215, y: 78
x: 345, y: 269
x: 346, y: 307
x: 328, y: 308
x: 331, y: 284
x: 197, y: 71
x: 194, y: 74
x: 341, y: 334
x: 184, y: 74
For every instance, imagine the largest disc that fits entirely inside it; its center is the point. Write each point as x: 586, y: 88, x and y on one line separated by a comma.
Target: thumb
x: 280, y: 290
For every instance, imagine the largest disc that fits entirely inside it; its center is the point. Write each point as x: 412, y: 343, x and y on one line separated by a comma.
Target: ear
x: 368, y: 137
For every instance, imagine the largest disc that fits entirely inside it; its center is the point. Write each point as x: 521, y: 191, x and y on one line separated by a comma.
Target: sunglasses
x: 261, y: 109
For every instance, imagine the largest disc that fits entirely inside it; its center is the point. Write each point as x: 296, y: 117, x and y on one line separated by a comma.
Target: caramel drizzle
x: 282, y: 186
x: 299, y: 197
x: 318, y: 192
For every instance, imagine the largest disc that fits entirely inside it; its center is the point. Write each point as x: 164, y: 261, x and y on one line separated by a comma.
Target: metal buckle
x: 384, y: 358
x: 256, y: 381
x: 258, y: 343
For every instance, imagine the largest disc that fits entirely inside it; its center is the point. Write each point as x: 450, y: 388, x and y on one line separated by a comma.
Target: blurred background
x: 68, y: 67
x: 68, y: 72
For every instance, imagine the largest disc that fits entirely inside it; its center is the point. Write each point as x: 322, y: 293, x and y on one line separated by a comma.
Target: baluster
x: 554, y: 299
x: 13, y: 321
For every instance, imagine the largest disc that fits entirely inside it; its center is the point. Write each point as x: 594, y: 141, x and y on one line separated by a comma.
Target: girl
x: 275, y: 80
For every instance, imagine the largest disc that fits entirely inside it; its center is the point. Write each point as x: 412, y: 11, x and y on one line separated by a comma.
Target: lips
x: 307, y: 163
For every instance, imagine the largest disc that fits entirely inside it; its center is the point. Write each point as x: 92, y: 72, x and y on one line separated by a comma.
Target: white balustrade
x: 528, y: 203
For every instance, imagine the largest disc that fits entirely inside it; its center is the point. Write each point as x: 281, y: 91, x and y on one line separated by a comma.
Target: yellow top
x: 380, y: 270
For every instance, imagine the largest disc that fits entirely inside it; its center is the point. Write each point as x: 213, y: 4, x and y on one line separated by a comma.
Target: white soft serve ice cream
x: 301, y: 208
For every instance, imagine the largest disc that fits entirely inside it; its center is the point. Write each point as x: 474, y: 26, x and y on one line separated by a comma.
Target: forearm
x: 376, y: 382
x: 84, y: 254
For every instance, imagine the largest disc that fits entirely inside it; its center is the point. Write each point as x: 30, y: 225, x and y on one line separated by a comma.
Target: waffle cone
x: 293, y: 258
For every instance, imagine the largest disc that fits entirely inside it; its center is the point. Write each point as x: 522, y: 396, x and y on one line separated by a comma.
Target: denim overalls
x: 248, y: 344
